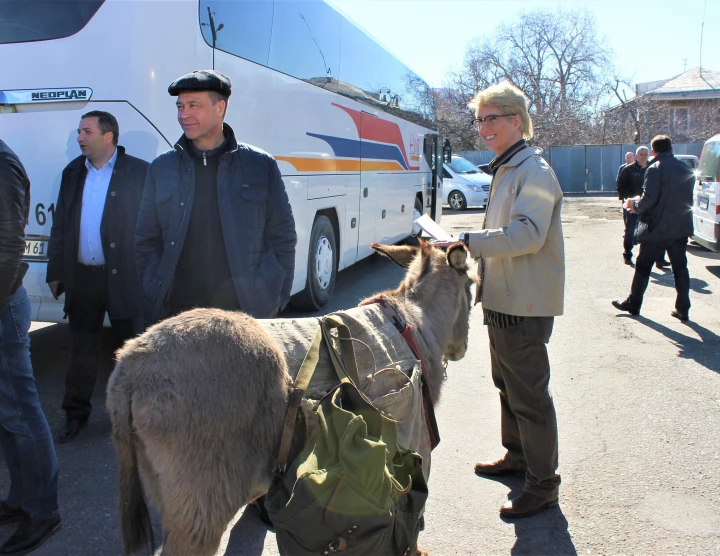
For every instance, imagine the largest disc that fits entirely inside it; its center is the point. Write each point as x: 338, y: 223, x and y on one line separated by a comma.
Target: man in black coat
x: 630, y: 184
x: 215, y: 227
x: 665, y: 222
x: 32, y: 499
x: 91, y: 254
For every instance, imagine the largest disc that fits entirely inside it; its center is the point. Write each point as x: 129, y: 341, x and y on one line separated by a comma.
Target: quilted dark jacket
x: 665, y: 209
x: 14, y: 207
x: 255, y: 215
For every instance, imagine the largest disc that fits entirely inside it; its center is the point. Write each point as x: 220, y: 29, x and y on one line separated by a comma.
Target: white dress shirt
x: 90, y: 250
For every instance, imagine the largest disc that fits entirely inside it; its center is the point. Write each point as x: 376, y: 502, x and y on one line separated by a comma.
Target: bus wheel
x: 321, y: 268
x: 457, y: 201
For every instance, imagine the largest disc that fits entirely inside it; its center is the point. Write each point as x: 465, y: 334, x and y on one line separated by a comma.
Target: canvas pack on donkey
x: 357, y: 483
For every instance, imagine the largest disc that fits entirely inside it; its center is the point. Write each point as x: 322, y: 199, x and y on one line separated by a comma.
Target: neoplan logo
x: 67, y: 94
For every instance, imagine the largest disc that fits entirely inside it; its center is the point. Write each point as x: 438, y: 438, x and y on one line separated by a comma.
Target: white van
x: 464, y: 185
x: 706, y: 197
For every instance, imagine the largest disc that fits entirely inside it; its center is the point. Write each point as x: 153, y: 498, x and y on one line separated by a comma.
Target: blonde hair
x: 509, y: 99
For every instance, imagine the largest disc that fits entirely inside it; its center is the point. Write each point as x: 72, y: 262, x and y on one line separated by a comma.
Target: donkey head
x: 435, y: 293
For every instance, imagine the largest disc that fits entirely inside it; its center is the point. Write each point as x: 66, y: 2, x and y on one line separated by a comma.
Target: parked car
x: 706, y: 196
x: 689, y: 159
x: 464, y: 185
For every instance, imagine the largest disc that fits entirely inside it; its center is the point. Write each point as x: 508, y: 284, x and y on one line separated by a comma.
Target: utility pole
x: 702, y: 29
x: 685, y: 61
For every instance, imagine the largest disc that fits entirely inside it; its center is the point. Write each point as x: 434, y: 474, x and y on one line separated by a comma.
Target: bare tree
x: 555, y: 57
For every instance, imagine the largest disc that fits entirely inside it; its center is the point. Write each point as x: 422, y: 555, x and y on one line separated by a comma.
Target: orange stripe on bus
x: 337, y: 165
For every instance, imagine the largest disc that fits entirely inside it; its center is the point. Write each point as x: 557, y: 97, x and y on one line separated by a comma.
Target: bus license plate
x: 703, y: 202
x: 35, y: 249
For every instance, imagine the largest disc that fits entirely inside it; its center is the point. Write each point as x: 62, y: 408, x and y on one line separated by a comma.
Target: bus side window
x: 246, y: 27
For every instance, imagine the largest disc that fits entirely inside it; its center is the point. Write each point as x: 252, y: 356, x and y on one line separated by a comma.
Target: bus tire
x: 321, y: 268
x: 457, y: 200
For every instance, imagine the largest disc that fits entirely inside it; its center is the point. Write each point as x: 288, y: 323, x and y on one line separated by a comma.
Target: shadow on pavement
x: 701, y: 252
x: 705, y: 351
x: 248, y: 535
x: 544, y: 533
x: 714, y: 270
x: 667, y: 279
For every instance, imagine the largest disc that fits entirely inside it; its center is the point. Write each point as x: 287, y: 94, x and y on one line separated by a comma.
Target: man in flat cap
x: 215, y: 227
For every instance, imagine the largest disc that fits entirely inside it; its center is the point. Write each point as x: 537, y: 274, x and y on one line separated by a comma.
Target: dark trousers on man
x: 651, y: 252
x: 630, y: 219
x: 521, y: 371
x: 86, y: 314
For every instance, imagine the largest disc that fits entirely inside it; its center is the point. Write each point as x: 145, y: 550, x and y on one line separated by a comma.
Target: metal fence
x: 585, y: 168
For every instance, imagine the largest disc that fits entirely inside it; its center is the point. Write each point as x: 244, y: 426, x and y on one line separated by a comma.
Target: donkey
x: 197, y: 403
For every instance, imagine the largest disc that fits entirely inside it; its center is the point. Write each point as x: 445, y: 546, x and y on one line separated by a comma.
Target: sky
x: 431, y: 36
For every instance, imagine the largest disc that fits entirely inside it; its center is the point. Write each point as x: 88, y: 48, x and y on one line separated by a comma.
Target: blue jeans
x: 24, y: 433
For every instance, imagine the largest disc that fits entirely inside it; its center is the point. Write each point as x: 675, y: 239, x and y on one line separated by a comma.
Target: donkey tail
x: 135, y: 524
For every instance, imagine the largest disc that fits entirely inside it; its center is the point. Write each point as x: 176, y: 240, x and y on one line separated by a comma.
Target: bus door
x: 432, y: 150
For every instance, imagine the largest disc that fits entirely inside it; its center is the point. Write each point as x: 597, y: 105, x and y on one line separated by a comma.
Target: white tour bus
x: 352, y: 128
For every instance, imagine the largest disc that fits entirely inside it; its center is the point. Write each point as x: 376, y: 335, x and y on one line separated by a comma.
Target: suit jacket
x: 117, y: 232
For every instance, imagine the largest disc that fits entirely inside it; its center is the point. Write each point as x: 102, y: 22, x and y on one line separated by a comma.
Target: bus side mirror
x: 447, y: 152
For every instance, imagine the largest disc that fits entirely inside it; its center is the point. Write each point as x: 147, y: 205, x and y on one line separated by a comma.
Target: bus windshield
x: 463, y: 166
x: 42, y: 20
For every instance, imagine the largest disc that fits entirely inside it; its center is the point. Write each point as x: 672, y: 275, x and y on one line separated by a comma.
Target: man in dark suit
x: 665, y: 222
x: 91, y: 255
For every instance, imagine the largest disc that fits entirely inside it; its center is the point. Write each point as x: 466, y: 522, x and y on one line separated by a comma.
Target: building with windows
x: 686, y: 107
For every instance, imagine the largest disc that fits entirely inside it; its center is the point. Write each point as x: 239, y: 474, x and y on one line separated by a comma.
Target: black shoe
x: 626, y: 306
x: 628, y: 261
x: 662, y: 264
x: 680, y: 316
x: 8, y: 514
x: 30, y: 535
x: 72, y: 429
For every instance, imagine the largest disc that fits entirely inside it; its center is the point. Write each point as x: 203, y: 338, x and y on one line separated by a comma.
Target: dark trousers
x: 630, y: 219
x: 651, y: 252
x: 87, y: 313
x: 24, y: 433
x: 521, y: 371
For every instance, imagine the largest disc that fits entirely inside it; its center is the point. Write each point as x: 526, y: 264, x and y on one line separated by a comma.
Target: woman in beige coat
x: 522, y: 266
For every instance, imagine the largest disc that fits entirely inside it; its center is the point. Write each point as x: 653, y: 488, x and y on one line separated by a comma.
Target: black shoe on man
x: 680, y: 316
x: 626, y: 306
x: 30, y: 534
x: 526, y: 505
x: 628, y: 260
x: 71, y: 429
x: 9, y: 515
x: 662, y: 264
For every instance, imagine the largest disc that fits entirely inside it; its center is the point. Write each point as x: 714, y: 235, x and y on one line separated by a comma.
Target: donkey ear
x: 402, y: 255
x: 457, y: 256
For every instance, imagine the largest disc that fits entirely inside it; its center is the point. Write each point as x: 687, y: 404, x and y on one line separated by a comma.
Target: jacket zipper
x: 204, y: 159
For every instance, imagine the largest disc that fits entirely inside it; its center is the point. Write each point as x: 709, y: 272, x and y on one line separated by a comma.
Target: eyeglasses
x: 490, y: 119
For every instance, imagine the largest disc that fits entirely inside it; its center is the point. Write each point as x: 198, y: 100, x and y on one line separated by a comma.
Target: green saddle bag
x: 350, y: 489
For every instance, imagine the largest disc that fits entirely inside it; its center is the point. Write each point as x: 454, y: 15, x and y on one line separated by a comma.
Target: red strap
x: 427, y: 395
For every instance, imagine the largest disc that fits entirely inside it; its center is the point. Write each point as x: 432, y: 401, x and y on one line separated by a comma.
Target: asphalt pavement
x: 637, y: 398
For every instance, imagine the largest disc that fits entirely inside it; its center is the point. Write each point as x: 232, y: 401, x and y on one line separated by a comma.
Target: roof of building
x: 697, y: 83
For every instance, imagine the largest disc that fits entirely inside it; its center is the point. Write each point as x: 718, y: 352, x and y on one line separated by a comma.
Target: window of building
x: 680, y: 124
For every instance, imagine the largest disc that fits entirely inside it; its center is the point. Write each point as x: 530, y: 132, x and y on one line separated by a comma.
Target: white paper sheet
x: 432, y: 228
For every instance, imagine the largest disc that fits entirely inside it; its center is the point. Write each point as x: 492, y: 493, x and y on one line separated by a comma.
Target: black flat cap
x: 201, y: 80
